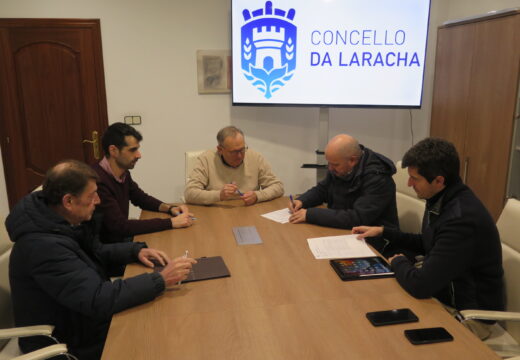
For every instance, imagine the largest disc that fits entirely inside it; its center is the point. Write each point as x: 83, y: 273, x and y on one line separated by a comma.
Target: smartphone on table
x: 391, y: 317
x: 428, y: 335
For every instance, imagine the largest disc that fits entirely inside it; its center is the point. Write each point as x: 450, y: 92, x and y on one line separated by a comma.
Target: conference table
x: 279, y: 302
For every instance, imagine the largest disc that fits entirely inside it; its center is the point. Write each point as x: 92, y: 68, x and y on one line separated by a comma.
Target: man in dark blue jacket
x: 359, y: 189
x: 462, y: 265
x: 58, y: 267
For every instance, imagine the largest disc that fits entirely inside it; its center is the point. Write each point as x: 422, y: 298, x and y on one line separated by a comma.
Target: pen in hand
x: 185, y: 256
x: 292, y: 203
x: 238, y: 190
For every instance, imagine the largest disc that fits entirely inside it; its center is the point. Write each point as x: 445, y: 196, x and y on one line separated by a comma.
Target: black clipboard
x: 364, y: 268
x: 206, y: 268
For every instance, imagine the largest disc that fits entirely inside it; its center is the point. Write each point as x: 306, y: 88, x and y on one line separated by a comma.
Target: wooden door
x: 491, y: 109
x: 475, y: 90
x: 52, y: 96
x: 452, y: 84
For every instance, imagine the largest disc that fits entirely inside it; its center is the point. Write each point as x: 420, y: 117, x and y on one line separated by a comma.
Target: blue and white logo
x: 268, y: 47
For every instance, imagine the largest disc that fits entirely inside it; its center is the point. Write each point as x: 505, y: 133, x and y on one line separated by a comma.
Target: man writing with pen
x: 232, y: 172
x: 116, y: 188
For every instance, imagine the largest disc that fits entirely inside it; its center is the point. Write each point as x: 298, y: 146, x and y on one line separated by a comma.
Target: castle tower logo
x: 268, y: 48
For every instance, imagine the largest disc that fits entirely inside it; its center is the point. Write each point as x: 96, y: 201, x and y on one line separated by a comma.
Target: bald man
x: 358, y: 189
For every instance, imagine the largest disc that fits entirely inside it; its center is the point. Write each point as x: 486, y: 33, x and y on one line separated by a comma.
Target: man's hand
x: 181, y: 209
x: 182, y: 220
x: 393, y: 257
x: 249, y: 197
x: 184, y: 208
x: 297, y: 206
x: 177, y: 270
x: 146, y: 254
x: 298, y: 216
x: 367, y: 231
x: 228, y: 191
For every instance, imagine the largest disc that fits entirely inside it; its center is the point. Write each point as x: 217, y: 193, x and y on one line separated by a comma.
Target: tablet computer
x: 361, y: 268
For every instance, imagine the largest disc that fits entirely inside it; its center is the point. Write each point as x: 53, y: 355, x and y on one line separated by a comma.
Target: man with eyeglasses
x: 232, y: 172
x: 358, y: 189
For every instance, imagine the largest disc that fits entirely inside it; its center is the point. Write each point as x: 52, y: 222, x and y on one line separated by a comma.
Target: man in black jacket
x: 462, y: 265
x: 58, y: 267
x: 359, y: 189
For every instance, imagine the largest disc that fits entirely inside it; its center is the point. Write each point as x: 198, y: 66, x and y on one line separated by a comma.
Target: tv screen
x: 329, y: 52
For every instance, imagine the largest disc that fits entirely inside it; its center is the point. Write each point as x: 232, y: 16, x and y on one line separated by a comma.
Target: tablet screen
x: 361, y: 268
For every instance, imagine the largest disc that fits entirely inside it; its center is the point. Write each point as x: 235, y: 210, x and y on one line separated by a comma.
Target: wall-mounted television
x: 362, y: 53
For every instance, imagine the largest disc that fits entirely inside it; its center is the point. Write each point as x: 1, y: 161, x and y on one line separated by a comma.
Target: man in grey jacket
x: 58, y: 268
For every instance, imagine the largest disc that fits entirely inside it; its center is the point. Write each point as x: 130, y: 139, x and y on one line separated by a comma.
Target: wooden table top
x: 279, y: 303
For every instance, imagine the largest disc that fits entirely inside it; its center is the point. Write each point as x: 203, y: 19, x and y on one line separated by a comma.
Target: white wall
x: 149, y: 52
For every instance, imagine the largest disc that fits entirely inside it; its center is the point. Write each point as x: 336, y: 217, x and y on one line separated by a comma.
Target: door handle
x: 95, y: 143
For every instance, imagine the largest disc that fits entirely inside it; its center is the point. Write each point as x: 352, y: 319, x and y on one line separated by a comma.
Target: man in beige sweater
x: 232, y: 172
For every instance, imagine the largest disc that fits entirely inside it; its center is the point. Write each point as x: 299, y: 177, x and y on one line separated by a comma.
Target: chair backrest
x: 410, y: 209
x: 508, y: 225
x: 6, y: 311
x: 190, y: 160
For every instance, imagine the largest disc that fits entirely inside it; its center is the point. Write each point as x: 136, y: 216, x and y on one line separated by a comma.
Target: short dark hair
x: 66, y: 177
x: 434, y: 157
x: 115, y: 135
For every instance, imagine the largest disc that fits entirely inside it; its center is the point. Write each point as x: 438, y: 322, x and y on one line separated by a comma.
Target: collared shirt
x: 105, y: 165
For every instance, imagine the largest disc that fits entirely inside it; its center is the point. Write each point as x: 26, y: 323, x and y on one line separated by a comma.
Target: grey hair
x: 227, y: 132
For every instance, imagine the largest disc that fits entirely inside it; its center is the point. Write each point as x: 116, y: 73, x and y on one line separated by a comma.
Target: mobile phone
x: 390, y: 317
x: 428, y: 335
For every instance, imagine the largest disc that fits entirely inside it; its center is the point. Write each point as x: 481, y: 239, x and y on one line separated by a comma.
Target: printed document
x: 337, y: 247
x: 281, y: 216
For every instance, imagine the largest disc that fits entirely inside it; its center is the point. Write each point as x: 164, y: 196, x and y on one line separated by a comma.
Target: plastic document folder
x: 206, y: 268
x: 246, y: 235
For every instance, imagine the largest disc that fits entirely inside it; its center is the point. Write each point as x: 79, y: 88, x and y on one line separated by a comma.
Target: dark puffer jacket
x: 58, y: 277
x: 462, y: 266
x: 365, y: 197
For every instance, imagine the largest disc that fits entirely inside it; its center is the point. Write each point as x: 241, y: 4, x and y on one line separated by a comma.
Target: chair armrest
x: 44, y: 353
x: 490, y: 315
x: 24, y: 331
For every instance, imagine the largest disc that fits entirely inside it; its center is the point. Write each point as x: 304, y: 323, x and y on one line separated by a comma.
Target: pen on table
x: 185, y: 256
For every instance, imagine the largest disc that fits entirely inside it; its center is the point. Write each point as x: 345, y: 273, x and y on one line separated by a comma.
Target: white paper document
x: 281, y: 216
x: 337, y: 247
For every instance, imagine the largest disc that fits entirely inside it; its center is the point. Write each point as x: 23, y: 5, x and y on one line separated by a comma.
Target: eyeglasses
x: 239, y: 151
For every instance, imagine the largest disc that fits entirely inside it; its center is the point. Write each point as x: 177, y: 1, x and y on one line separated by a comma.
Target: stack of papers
x: 337, y: 247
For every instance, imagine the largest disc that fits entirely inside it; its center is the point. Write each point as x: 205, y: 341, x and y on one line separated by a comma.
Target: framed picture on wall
x: 214, y: 71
